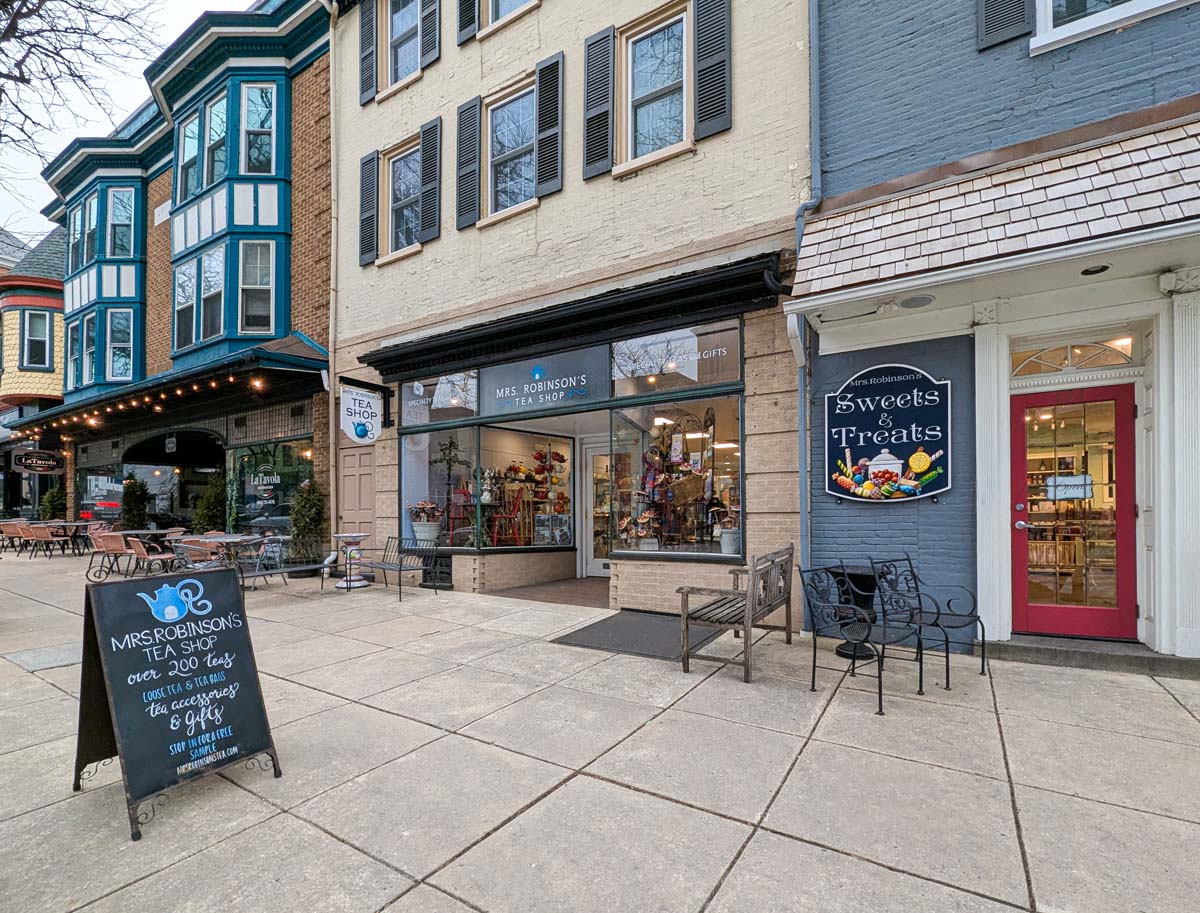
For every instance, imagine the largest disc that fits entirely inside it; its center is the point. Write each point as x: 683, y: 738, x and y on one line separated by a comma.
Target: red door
x: 1073, y: 513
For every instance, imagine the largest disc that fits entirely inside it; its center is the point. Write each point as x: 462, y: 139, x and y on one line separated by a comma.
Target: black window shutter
x: 431, y: 181
x: 468, y: 19
x: 368, y: 42
x: 467, y: 166
x: 431, y: 31
x: 548, y: 148
x: 1000, y: 20
x: 714, y: 81
x: 598, y: 69
x: 368, y: 209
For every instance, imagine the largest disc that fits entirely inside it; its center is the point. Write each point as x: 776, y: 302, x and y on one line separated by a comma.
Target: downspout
x: 332, y: 7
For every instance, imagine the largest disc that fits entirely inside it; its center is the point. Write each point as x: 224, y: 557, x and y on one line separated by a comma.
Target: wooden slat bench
x: 768, y: 588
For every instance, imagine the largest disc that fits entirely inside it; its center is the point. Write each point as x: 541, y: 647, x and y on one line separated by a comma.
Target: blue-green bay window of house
x: 119, y: 334
x: 120, y: 222
x: 185, y: 304
x: 189, y: 157
x: 212, y: 292
x: 72, y: 378
x: 91, y: 215
x: 89, y: 348
x: 258, y: 129
x: 216, y: 125
x: 487, y: 459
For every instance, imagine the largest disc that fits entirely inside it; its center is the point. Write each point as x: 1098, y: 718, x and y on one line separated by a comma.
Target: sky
x: 19, y: 212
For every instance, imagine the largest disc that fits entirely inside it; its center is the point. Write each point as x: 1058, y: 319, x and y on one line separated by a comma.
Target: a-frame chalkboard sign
x: 168, y: 683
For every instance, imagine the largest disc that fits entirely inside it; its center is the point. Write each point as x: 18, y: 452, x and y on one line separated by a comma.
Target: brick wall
x: 310, y: 201
x: 158, y: 278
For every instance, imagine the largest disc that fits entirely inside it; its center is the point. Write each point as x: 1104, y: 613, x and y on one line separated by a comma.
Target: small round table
x: 350, y: 544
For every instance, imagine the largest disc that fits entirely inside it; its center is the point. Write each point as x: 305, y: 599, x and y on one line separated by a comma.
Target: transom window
x: 212, y: 288
x: 256, y: 313
x: 189, y: 157
x: 1074, y: 356
x: 404, y: 54
x: 215, y: 166
x: 89, y: 348
x: 36, y: 350
x: 120, y: 222
x: 258, y: 129
x: 511, y: 132
x: 185, y: 304
x: 404, y: 203
x: 91, y: 207
x: 656, y: 81
x: 120, y: 345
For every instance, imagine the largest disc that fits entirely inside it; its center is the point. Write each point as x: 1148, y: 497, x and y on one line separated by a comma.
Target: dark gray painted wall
x: 904, y: 89
x: 940, y: 536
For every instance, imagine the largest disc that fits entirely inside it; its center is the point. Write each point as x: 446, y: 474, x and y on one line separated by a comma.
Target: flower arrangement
x: 425, y: 512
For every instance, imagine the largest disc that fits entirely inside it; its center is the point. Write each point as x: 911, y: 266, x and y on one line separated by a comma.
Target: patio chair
x: 262, y: 557
x: 147, y: 556
x: 768, y: 587
x: 44, y: 540
x: 399, y: 555
x: 10, y: 536
x: 192, y: 557
x: 834, y: 612
x: 25, y: 531
x: 901, y: 589
x: 114, y: 550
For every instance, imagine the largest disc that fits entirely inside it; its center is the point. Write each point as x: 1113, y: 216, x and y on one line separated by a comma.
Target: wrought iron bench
x: 399, y: 555
x: 768, y: 588
x: 278, y: 556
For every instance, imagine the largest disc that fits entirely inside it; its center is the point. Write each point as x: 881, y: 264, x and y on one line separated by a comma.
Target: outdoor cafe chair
x: 44, y: 540
x: 116, y: 549
x: 10, y: 536
x: 834, y: 611
x: 901, y: 589
x: 191, y: 556
x: 147, y: 557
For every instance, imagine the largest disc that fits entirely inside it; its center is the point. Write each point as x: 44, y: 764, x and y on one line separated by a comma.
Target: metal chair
x: 834, y: 612
x: 901, y: 589
x: 147, y: 556
x: 192, y: 557
x: 44, y: 540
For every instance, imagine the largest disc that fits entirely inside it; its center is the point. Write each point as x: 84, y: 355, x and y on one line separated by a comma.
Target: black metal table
x: 857, y: 585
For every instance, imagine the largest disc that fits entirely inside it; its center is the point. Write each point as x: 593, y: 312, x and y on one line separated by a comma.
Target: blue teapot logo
x: 538, y: 372
x: 172, y: 603
x: 362, y: 430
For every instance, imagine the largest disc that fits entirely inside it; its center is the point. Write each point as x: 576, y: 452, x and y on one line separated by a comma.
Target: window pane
x: 1070, y: 10
x: 512, y: 182
x: 658, y: 124
x: 406, y: 176
x: 530, y: 507
x: 120, y: 363
x: 37, y: 353
x: 676, y: 472
x: 35, y: 325
x: 216, y: 121
x: 89, y: 349
x: 256, y: 263
x: 210, y: 315
x: 268, y: 477
x: 120, y: 207
x: 258, y: 153
x: 191, y: 139
x: 405, y: 225
x: 89, y: 237
x: 216, y: 163
x: 501, y: 8
x: 677, y: 359
x: 120, y: 328
x: 404, y: 17
x: 439, y: 399
x: 437, y: 477
x: 185, y: 283
x: 260, y: 108
x: 512, y: 125
x: 256, y: 309
x: 122, y: 241
x: 403, y: 39
x: 214, y: 271
x: 184, y: 329
x: 404, y: 58
x: 658, y: 59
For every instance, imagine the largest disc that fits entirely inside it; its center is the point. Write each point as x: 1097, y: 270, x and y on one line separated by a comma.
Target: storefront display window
x: 676, y: 471
x: 268, y: 475
x: 437, y: 472
x: 439, y: 399
x: 677, y: 359
x: 525, y: 489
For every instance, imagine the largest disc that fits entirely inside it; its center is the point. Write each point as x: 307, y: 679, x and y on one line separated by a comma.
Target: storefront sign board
x: 169, y: 684
x: 361, y: 412
x: 41, y: 462
x: 577, y: 378
x: 887, y: 436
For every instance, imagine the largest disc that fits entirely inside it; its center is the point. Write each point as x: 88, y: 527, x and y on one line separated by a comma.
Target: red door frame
x: 1079, y: 621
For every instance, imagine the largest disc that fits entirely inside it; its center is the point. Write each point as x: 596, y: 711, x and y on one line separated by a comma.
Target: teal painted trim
x: 312, y: 342
x: 101, y: 187
x: 308, y: 60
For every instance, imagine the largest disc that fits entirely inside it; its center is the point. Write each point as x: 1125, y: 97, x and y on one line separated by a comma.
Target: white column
x: 993, y: 541
x: 1185, y: 532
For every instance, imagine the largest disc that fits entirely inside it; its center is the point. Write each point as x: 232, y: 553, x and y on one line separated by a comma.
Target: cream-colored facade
x: 20, y: 383
x: 702, y: 204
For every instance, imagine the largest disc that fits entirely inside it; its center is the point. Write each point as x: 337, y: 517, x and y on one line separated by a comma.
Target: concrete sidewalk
x: 442, y: 756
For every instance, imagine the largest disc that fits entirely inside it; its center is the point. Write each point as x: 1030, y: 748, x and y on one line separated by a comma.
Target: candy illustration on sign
x: 901, y: 416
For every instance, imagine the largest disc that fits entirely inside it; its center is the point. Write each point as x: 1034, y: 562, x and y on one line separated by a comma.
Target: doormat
x: 640, y: 633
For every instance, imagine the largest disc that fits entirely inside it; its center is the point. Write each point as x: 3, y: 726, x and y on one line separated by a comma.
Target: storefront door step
x: 1111, y: 656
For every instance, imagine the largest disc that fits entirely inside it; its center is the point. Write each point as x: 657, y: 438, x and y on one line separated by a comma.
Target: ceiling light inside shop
x: 1045, y: 416
x: 651, y: 379
x: 660, y: 420
x: 724, y: 445
x: 696, y: 435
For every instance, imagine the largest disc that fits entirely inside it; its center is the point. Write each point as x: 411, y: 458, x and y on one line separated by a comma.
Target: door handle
x: 1021, y: 524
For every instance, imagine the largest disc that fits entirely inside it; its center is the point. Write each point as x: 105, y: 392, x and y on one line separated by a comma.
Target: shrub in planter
x: 308, y: 521
x: 211, y: 509
x: 135, y: 497
x: 53, y: 505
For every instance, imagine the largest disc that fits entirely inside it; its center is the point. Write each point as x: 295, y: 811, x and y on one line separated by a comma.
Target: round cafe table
x: 350, y: 544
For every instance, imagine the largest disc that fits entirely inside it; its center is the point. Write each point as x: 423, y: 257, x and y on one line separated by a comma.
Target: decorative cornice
x: 1075, y: 378
x: 1180, y: 282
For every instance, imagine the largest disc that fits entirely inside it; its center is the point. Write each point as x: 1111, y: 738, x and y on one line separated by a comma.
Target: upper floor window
x: 216, y: 120
x: 404, y: 54
x: 1064, y: 11
x: 1062, y: 22
x: 35, y: 347
x: 75, y: 239
x: 185, y: 304
x: 404, y: 197
x: 256, y: 313
x: 120, y: 344
x: 73, y: 355
x: 89, y: 348
x: 189, y: 157
x: 501, y: 8
x: 656, y: 80
x: 120, y: 222
x: 258, y: 129
x: 212, y: 292
x: 511, y: 133
x: 91, y: 213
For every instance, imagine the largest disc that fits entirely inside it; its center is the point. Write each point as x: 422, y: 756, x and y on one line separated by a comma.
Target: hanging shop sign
x: 169, y: 684
x: 42, y: 462
x: 887, y: 435
x: 575, y: 378
x: 362, y: 411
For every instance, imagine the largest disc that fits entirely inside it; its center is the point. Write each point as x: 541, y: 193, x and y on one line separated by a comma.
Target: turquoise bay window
x: 120, y: 222
x: 216, y: 118
x: 72, y: 379
x: 189, y: 157
x: 91, y: 215
x: 120, y: 344
x: 185, y: 304
x: 258, y: 129
x: 256, y: 290
x: 212, y: 293
x: 89, y: 348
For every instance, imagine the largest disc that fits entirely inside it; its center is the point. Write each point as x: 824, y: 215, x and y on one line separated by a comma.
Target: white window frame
x: 243, y: 150
x: 206, y: 145
x: 199, y: 333
x: 26, y: 361
x: 183, y: 191
x: 1047, y: 36
x: 408, y: 148
x: 627, y: 37
x: 73, y: 352
x: 85, y: 337
x: 177, y: 306
x: 109, y: 346
x: 113, y: 191
x: 241, y: 287
x: 91, y: 222
x: 74, y: 237
x: 525, y: 88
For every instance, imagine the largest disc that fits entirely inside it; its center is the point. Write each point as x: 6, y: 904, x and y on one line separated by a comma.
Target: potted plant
x: 135, y: 497
x: 308, y: 522
x: 53, y: 505
x: 211, y: 507
x: 426, y: 521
